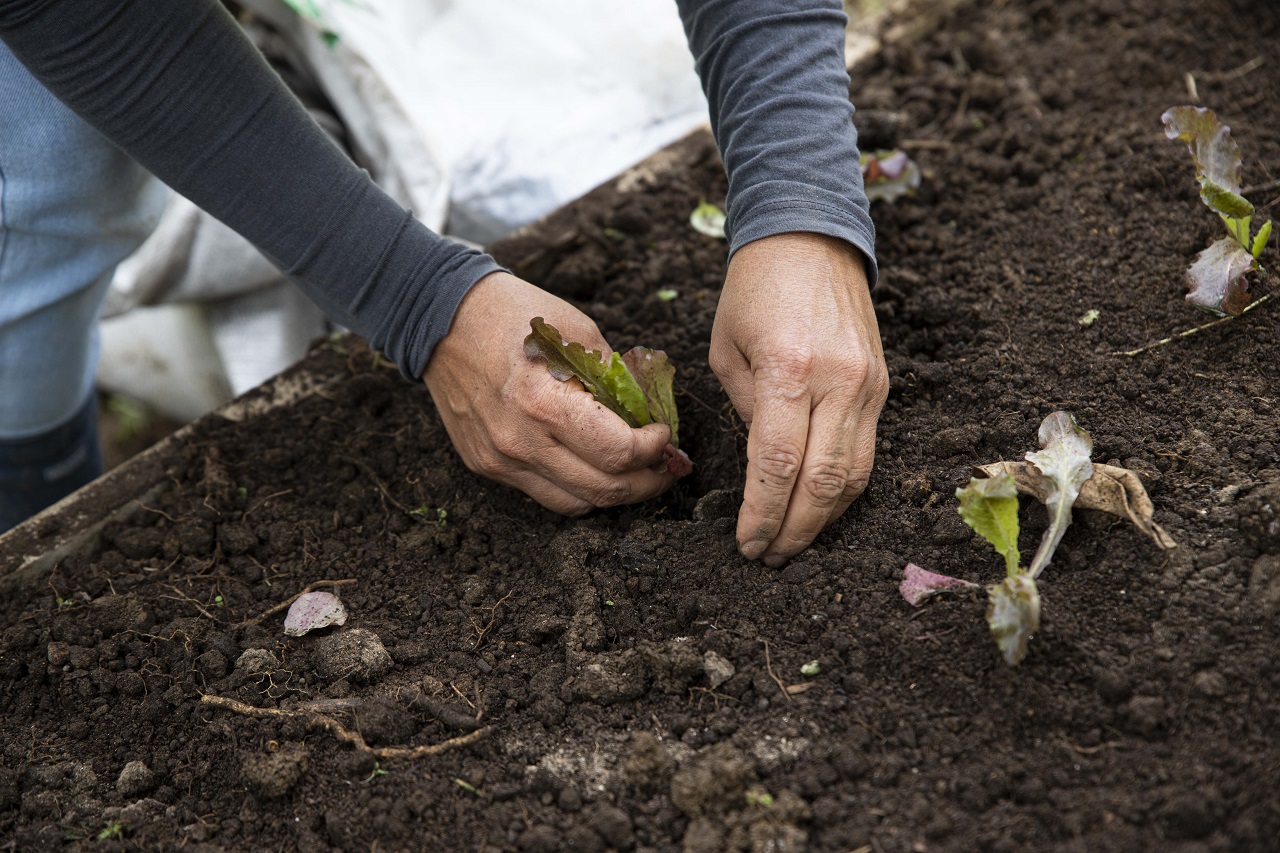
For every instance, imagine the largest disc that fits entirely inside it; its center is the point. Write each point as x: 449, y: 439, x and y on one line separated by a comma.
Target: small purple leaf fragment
x: 919, y: 585
x: 314, y: 610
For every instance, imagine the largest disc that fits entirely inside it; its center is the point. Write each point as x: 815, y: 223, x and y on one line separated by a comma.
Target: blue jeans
x: 72, y: 206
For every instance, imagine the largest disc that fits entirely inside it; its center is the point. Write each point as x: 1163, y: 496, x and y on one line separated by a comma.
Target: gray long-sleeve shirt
x: 177, y: 85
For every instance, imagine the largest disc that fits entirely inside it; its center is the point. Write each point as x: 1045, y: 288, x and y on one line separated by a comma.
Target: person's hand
x: 513, y: 422
x: 796, y: 346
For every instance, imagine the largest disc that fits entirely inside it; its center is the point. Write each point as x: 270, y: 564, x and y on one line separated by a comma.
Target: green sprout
x: 667, y: 294
x: 759, y: 797
x: 113, y: 830
x: 375, y: 773
x: 218, y: 602
x: 465, y: 785
x: 810, y: 669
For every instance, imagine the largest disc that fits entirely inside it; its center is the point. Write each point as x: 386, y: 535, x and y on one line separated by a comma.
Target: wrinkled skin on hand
x: 513, y: 422
x: 796, y: 346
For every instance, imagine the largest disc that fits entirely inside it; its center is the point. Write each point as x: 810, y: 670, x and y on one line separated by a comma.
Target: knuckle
x: 611, y: 493
x: 616, y: 454
x: 507, y: 444
x: 826, y: 483
x: 779, y: 465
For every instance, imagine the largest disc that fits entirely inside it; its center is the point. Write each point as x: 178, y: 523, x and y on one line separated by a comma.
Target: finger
x: 547, y: 494
x: 864, y: 457
x: 734, y: 373
x: 602, y: 440
x: 823, y: 478
x: 775, y: 453
x: 585, y: 482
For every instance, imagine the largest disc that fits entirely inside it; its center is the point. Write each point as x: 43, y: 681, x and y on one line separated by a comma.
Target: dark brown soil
x: 623, y: 670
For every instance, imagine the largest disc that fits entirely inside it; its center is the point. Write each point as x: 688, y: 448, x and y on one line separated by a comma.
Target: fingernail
x: 753, y: 549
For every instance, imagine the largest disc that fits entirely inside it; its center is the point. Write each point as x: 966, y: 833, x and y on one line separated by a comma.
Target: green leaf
x: 656, y: 375
x: 667, y: 294
x: 1227, y: 203
x: 708, y: 219
x: 990, y: 507
x: 1260, y: 241
x: 1064, y: 463
x: 608, y: 380
x: 810, y: 669
x: 1216, y: 280
x: 1013, y: 614
x: 1216, y: 155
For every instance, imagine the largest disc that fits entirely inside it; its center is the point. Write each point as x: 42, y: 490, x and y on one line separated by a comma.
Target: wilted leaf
x: 608, y: 380
x: 1216, y: 155
x: 1112, y: 489
x: 888, y: 175
x: 990, y: 507
x: 919, y: 584
x: 314, y: 610
x: 655, y: 374
x: 1217, y: 278
x: 1013, y: 614
x: 708, y: 219
x: 1064, y: 463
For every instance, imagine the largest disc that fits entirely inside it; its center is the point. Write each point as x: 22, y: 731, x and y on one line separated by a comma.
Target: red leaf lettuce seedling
x: 990, y: 507
x: 636, y: 387
x: 1217, y: 277
x: 888, y: 175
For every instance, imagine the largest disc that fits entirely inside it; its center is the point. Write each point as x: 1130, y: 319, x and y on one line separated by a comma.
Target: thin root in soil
x: 320, y: 721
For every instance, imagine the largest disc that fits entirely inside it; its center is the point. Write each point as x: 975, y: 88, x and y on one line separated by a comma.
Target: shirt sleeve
x: 774, y: 76
x: 178, y: 86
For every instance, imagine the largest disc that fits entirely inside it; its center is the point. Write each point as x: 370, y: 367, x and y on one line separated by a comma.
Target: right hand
x: 513, y: 422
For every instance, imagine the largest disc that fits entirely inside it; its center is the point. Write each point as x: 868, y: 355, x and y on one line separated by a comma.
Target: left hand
x: 796, y: 346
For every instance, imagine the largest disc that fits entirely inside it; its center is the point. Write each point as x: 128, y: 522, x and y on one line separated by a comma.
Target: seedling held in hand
x: 1217, y: 277
x: 636, y: 387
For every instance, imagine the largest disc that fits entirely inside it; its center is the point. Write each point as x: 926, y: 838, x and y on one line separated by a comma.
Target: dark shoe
x: 39, y: 471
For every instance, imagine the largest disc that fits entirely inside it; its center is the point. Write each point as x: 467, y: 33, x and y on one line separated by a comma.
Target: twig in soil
x: 284, y: 605
x: 481, y: 630
x: 186, y: 599
x: 377, y: 482
x: 262, y: 502
x: 450, y: 717
x: 768, y: 665
x: 1189, y: 332
x: 333, y: 727
x: 156, y: 511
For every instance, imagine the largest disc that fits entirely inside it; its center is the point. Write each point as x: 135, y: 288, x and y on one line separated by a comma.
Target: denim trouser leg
x: 72, y: 206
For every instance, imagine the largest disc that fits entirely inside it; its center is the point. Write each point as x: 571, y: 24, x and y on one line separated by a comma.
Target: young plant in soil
x: 888, y: 175
x: 1059, y: 474
x: 636, y: 387
x: 1217, y: 279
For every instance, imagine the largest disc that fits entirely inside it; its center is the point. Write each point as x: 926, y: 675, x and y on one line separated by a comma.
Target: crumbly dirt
x: 618, y: 679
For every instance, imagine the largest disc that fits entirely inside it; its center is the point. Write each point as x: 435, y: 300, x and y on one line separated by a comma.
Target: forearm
x: 773, y: 72
x: 178, y: 87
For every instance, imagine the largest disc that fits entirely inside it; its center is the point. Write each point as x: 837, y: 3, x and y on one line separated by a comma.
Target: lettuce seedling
x: 888, y: 175
x: 1216, y: 280
x: 637, y: 387
x: 708, y: 219
x: 989, y: 505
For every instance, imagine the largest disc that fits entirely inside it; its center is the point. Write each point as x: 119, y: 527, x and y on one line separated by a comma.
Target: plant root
x: 333, y: 727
